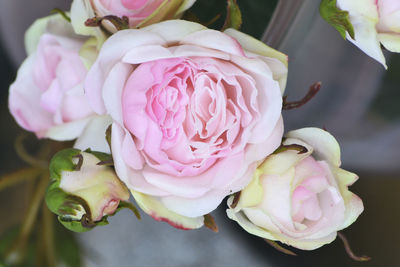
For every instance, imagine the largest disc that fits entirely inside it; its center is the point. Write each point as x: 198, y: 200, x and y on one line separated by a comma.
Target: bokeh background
x: 358, y: 103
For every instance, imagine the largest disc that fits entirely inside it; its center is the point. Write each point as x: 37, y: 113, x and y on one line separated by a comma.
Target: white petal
x: 153, y: 207
x: 325, y: 145
x: 93, y: 136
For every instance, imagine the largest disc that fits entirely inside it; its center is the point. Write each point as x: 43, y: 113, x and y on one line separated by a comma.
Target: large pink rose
x: 194, y: 110
x: 47, y: 97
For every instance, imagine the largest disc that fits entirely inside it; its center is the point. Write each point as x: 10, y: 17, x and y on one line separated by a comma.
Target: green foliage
x: 336, y: 17
x: 67, y: 248
x: 255, y: 14
x: 67, y: 251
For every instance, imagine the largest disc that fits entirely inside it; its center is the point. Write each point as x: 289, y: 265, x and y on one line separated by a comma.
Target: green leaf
x: 233, y: 16
x: 336, y: 17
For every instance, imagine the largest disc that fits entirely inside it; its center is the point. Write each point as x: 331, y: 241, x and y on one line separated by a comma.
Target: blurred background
x: 358, y: 103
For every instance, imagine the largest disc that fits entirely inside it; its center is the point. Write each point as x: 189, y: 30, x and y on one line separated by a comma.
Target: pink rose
x: 375, y: 22
x: 194, y: 110
x: 139, y: 12
x: 300, y: 199
x: 389, y: 17
x: 47, y: 97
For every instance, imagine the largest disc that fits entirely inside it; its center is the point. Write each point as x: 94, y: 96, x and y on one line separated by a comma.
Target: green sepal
x: 81, y: 226
x: 299, y: 148
x: 127, y: 205
x: 233, y: 16
x: 62, y: 13
x: 78, y: 226
x: 62, y: 161
x: 339, y: 19
x: 103, y: 157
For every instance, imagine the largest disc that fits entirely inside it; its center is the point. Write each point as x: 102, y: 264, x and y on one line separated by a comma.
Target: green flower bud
x: 83, y: 193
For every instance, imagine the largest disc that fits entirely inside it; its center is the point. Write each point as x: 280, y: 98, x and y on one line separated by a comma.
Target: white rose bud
x: 82, y: 192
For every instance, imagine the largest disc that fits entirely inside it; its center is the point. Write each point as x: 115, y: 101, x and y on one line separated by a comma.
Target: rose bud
x: 375, y: 22
x: 299, y: 195
x: 139, y: 13
x: 47, y: 97
x: 82, y: 193
x: 194, y: 110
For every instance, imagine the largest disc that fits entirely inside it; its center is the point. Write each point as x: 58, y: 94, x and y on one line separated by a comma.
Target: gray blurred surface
x: 17, y: 15
x: 151, y: 243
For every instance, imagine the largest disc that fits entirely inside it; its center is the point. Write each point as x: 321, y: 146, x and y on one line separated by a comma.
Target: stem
x: 48, y: 236
x: 25, y: 156
x: 16, y: 254
x: 278, y: 247
x: 349, y: 251
x: 314, y: 89
x: 18, y: 177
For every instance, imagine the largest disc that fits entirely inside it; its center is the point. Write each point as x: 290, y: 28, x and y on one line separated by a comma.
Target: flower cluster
x: 179, y: 116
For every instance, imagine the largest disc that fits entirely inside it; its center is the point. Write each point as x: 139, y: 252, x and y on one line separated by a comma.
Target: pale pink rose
x: 194, y: 110
x: 139, y: 12
x: 47, y: 97
x: 300, y: 199
x: 135, y: 10
x: 375, y: 22
x: 389, y: 16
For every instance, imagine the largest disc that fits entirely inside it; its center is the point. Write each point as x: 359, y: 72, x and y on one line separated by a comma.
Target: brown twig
x: 278, y: 247
x: 25, y: 156
x: 120, y: 23
x: 349, y: 251
x: 18, y: 177
x: 314, y: 89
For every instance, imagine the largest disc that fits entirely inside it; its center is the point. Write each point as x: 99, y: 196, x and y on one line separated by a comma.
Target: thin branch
x: 349, y: 251
x: 314, y: 89
x: 25, y: 156
x: 16, y: 254
x: 17, y: 177
x: 278, y: 247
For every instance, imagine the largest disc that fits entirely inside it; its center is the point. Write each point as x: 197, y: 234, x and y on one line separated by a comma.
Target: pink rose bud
x: 139, y: 12
x: 194, y: 110
x: 299, y: 195
x: 47, y: 97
